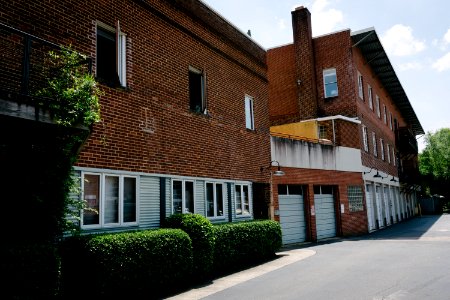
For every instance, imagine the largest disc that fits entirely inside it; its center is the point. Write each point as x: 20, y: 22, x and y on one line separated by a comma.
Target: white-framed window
x: 382, y: 148
x: 394, y: 159
x: 388, y: 152
x: 197, y: 90
x: 360, y: 86
x: 374, y: 141
x: 322, y: 131
x: 365, y: 138
x: 385, y: 114
x: 355, y: 198
x: 242, y: 199
x: 249, y: 113
x: 369, y: 90
x: 182, y: 196
x: 214, y: 199
x: 330, y: 83
x: 111, y: 55
x: 111, y: 200
x: 390, y: 121
x: 377, y: 105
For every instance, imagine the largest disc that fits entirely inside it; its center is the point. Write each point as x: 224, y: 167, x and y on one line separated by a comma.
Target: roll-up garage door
x: 325, y: 216
x: 292, y: 218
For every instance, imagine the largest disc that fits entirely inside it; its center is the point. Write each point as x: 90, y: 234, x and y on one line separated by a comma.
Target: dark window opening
x: 106, y: 57
x: 196, y: 91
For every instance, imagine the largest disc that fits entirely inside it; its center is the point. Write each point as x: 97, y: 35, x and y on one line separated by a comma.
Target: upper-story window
x: 374, y: 141
x: 390, y: 121
x: 197, y: 90
x: 111, y: 200
x: 249, y: 115
x: 388, y: 152
x: 214, y: 200
x: 182, y: 196
x: 330, y: 83
x: 382, y: 148
x: 365, y: 138
x: 377, y: 105
x: 369, y: 90
x: 360, y: 86
x: 111, y: 55
x: 385, y: 114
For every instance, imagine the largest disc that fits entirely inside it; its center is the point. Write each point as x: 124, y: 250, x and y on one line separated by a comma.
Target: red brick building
x: 343, y: 130
x: 184, y: 115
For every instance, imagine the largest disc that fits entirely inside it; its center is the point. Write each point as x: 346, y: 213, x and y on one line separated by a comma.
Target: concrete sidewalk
x: 285, y: 258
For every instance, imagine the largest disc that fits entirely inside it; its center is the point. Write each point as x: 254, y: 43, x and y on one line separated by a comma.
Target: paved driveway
x: 409, y: 260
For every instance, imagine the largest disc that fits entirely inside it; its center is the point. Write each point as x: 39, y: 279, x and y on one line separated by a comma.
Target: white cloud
x: 399, y: 41
x: 443, y: 63
x: 411, y: 66
x: 324, y: 20
x: 447, y: 37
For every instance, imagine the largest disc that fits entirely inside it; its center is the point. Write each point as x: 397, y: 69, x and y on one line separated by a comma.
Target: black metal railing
x: 25, y: 65
x: 406, y: 141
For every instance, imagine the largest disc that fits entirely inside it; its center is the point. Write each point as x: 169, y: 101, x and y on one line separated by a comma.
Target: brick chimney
x: 305, y: 63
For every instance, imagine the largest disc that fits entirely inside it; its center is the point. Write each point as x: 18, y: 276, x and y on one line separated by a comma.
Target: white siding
x: 149, y: 202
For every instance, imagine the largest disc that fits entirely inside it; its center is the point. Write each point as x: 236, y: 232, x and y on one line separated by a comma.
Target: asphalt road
x: 409, y: 260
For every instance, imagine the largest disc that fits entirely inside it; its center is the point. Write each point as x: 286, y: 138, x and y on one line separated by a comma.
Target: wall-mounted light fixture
x: 368, y: 171
x: 277, y: 172
x: 393, y: 179
x: 379, y: 176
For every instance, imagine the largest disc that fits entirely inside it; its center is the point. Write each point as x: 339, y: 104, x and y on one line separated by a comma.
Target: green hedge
x: 30, y: 271
x: 135, y: 264
x: 200, y: 230
x: 238, y: 245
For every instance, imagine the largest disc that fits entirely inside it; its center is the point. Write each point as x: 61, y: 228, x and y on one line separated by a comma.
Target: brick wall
x: 148, y: 126
x: 283, y: 105
x: 304, y: 63
x: 348, y: 223
x: 370, y: 119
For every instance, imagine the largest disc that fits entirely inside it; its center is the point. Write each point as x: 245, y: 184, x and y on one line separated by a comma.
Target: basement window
x: 111, y: 200
x: 330, y: 83
x: 214, y: 200
x: 110, y: 58
x: 182, y: 196
x: 197, y: 99
x: 355, y: 198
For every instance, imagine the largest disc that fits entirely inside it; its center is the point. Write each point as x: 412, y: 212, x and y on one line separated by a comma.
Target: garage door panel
x: 325, y: 216
x: 292, y: 218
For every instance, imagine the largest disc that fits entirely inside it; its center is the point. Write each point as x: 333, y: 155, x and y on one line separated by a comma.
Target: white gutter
x: 337, y: 117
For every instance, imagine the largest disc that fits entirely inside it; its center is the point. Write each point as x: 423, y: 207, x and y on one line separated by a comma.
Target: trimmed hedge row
x: 140, y: 264
x: 238, y: 245
x: 200, y: 230
x: 134, y: 264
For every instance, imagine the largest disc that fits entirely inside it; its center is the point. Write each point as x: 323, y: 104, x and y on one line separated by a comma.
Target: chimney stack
x: 305, y: 63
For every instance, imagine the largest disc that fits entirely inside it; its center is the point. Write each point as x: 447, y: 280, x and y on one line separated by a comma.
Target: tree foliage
x: 434, y: 163
x: 435, y: 158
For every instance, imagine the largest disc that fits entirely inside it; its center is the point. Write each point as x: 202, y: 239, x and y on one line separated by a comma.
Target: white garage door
x: 292, y: 218
x: 370, y: 207
x: 325, y: 216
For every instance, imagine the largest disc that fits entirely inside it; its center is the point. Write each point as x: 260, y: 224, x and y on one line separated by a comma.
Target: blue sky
x: 415, y: 34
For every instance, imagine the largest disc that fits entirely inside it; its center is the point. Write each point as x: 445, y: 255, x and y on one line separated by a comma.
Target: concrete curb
x: 220, y: 284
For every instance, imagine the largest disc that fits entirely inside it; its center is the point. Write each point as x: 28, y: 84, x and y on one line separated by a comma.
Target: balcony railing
x: 24, y: 67
x: 406, y: 141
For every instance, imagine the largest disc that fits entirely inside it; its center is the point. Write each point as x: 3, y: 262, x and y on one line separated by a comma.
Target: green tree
x: 434, y: 162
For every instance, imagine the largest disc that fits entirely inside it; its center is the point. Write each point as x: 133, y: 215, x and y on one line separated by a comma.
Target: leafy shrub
x: 238, y: 245
x: 30, y: 271
x: 72, y: 94
x: 200, y: 230
x: 142, y: 263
